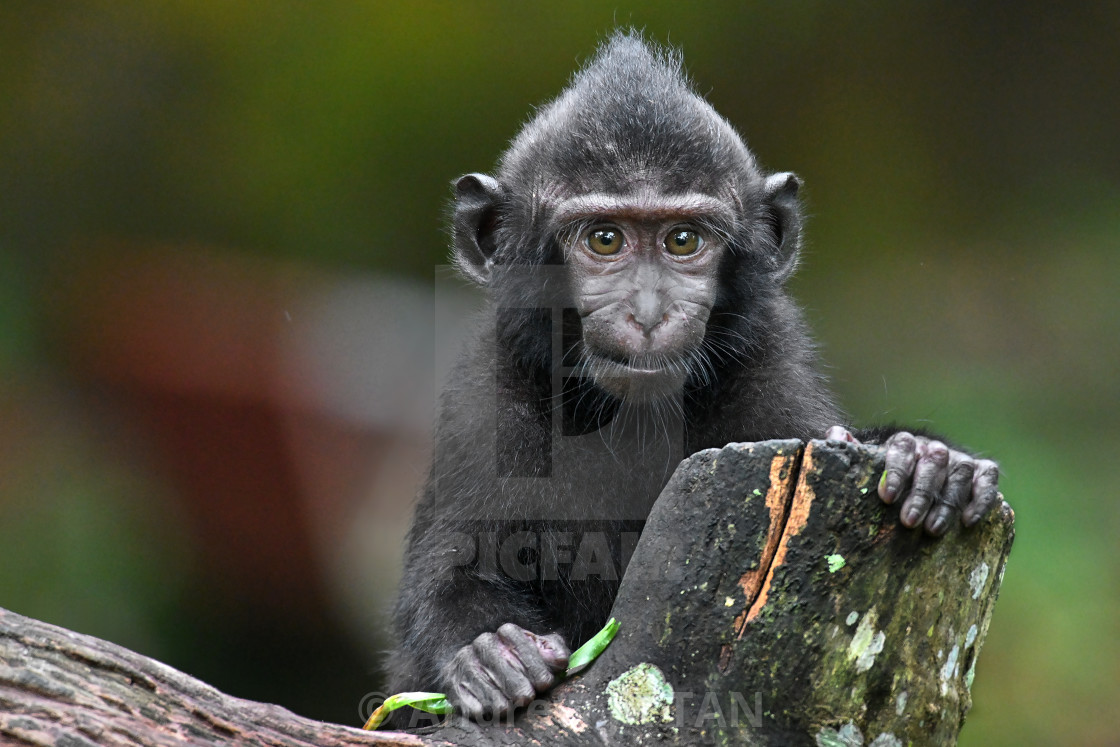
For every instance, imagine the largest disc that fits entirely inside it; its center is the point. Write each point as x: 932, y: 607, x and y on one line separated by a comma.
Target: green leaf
x: 429, y: 702
x: 590, y: 651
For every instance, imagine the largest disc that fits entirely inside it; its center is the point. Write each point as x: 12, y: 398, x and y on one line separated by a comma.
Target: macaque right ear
x: 477, y: 199
x: 784, y: 218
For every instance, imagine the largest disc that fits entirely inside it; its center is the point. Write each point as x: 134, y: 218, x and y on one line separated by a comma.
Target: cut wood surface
x: 772, y: 600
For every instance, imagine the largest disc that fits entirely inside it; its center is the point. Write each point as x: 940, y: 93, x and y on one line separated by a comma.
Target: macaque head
x: 655, y: 213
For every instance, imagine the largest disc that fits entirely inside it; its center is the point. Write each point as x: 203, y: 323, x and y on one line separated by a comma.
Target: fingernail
x: 910, y: 516
x: 938, y: 526
x: 884, y: 492
x: 888, y: 487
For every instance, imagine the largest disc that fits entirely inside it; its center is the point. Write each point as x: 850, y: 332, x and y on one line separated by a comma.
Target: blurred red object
x: 251, y: 381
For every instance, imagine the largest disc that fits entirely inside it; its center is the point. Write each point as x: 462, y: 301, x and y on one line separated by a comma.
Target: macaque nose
x: 647, y: 312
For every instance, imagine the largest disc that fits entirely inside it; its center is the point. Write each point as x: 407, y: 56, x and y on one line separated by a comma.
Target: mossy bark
x: 772, y: 600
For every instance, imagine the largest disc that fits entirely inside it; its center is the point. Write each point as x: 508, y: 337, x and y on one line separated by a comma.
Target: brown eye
x: 682, y: 241
x: 605, y: 240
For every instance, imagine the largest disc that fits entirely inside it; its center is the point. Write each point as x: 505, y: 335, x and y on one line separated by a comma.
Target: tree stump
x: 772, y: 600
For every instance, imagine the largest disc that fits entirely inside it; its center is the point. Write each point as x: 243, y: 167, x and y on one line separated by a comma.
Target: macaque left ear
x: 477, y: 200
x: 783, y: 214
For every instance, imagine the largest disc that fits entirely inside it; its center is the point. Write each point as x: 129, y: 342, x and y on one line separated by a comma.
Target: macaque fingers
x: 985, y: 492
x: 537, y: 665
x: 936, y: 484
x: 499, y: 672
x: 955, y: 494
x: 470, y: 687
x: 506, y: 670
x: 900, y: 462
x: 553, y: 649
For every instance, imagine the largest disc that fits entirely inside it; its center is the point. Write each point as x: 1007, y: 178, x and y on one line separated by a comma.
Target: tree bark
x: 772, y: 600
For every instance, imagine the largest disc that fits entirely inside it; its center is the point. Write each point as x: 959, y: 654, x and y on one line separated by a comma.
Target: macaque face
x: 643, y: 272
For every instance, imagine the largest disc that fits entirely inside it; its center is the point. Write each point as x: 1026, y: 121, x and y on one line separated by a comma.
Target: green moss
x: 867, y: 643
x: 640, y: 695
x: 847, y: 735
x: 978, y: 578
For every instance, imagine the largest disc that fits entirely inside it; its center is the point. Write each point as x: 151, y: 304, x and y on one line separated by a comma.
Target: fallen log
x: 772, y: 600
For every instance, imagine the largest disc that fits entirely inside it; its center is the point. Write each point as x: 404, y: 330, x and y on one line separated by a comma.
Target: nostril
x: 646, y: 325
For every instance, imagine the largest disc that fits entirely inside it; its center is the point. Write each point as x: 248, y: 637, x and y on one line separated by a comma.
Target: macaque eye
x: 682, y: 242
x: 606, y: 240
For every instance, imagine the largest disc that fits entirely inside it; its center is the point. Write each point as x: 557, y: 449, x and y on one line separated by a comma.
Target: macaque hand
x: 499, y: 672
x: 937, y: 484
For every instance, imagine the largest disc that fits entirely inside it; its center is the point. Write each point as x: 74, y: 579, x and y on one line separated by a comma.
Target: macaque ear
x: 477, y: 199
x: 783, y: 212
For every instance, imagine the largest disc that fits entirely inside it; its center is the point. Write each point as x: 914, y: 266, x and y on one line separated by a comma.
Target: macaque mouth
x: 644, y: 369
x: 645, y: 365
x: 640, y: 379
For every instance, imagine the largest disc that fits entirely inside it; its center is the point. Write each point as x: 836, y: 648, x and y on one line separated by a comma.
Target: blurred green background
x: 183, y: 184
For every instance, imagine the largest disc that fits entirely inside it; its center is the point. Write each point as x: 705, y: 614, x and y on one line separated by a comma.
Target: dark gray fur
x: 628, y: 121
